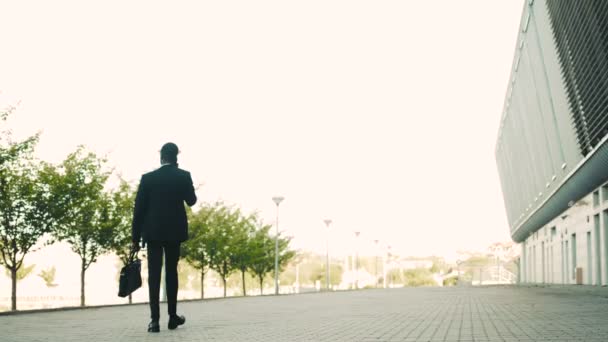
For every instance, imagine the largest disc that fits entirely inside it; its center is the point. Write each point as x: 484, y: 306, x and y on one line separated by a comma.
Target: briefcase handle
x: 133, y: 256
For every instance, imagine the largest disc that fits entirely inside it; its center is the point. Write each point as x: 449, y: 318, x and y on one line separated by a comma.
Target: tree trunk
x: 202, y: 284
x: 130, y: 299
x: 261, y: 286
x: 14, y: 289
x: 224, y: 280
x: 82, y: 271
x: 243, y: 277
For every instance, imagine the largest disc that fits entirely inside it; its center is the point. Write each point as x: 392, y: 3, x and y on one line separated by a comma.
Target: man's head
x: 168, y: 153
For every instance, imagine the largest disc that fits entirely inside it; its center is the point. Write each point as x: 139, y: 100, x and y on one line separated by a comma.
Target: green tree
x: 242, y: 245
x: 120, y: 216
x: 262, y: 249
x: 24, y: 214
x: 471, y: 266
x: 394, y: 276
x: 195, y: 249
x: 236, y: 280
x: 286, y: 255
x: 185, y: 273
x: 317, y: 272
x: 23, y: 272
x: 453, y: 281
x: 262, y: 254
x: 221, y: 241
x: 48, y: 275
x: 419, y: 277
x: 77, y: 187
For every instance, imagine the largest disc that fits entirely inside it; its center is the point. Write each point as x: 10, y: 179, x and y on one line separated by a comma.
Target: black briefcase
x: 130, y: 276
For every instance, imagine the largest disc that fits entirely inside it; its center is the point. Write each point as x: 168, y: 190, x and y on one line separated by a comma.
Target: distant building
x: 551, y: 151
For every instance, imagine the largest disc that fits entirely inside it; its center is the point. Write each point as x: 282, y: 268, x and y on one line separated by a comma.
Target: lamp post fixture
x: 327, y: 271
x: 357, y: 260
x: 388, y: 256
x: 376, y: 265
x: 277, y: 200
x: 458, y: 262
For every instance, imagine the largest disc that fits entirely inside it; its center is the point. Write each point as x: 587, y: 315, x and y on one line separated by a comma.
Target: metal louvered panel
x: 580, y: 30
x: 587, y: 177
x: 562, y: 74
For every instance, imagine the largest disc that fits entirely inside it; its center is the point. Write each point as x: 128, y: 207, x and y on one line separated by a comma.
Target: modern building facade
x: 552, y: 150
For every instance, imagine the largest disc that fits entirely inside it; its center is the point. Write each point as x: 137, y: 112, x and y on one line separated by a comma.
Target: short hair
x: 169, y: 152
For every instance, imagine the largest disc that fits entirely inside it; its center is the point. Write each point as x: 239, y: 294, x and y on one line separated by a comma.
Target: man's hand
x: 135, y: 246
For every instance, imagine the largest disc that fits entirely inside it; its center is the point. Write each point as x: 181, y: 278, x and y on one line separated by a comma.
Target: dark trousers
x: 155, y: 255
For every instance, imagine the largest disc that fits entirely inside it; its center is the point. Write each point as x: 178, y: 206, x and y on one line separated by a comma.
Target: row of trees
x: 224, y: 239
x: 42, y: 203
x: 412, y: 277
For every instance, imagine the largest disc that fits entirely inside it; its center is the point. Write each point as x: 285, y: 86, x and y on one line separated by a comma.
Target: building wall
x: 578, y: 238
x: 536, y: 147
x: 552, y: 144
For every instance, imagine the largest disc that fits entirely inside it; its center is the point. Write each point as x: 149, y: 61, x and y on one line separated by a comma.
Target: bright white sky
x: 381, y: 115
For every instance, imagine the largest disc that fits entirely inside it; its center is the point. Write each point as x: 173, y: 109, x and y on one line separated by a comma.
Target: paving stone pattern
x: 412, y: 314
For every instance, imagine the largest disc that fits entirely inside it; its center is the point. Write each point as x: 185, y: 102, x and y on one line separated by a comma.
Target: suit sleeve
x: 190, y: 196
x: 139, y: 211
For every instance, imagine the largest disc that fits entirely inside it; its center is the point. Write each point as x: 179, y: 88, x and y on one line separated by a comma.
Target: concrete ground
x: 411, y: 314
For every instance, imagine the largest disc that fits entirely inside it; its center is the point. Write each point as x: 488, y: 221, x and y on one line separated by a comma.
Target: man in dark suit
x: 159, y: 219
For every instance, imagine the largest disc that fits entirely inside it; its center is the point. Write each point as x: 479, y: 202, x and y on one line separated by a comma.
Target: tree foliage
x: 315, y: 271
x: 68, y: 202
x: 224, y: 239
x: 244, y: 228
x: 48, y: 275
x: 419, y: 277
x: 262, y: 249
x: 23, y: 272
x: 221, y: 241
x: 195, y: 249
x: 262, y: 253
x: 119, y: 219
x: 24, y: 214
x: 78, y: 196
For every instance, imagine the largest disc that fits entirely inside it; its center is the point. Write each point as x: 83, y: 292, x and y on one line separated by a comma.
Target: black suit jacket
x: 159, y: 213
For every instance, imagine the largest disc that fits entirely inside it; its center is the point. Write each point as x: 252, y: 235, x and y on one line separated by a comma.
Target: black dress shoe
x: 154, y: 327
x: 175, y: 321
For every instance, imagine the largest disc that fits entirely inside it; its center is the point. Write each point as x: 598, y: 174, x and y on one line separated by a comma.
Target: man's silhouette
x: 159, y: 219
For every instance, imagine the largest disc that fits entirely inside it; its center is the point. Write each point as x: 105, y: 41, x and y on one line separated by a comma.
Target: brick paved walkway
x: 416, y: 314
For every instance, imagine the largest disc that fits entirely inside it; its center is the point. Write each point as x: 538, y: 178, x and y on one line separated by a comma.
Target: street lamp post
x: 388, y: 257
x: 376, y: 265
x: 327, y: 271
x: 298, y: 277
x: 384, y: 270
x: 277, y: 200
x: 458, y: 262
x: 357, y: 260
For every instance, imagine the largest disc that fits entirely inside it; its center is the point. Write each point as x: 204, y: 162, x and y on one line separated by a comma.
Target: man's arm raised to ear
x: 190, y: 196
